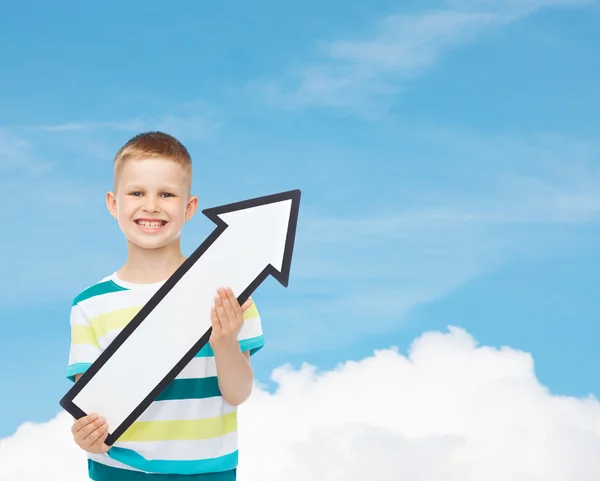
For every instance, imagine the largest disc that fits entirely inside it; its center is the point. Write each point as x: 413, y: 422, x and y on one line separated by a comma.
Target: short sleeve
x: 84, y: 347
x: 251, y: 334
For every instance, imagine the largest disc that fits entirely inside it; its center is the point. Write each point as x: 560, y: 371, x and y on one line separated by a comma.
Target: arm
x: 234, y: 372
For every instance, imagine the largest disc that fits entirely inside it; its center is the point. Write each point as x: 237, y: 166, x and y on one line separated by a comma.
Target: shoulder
x: 105, y: 285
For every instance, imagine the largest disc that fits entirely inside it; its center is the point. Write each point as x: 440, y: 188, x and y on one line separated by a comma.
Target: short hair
x: 153, y: 144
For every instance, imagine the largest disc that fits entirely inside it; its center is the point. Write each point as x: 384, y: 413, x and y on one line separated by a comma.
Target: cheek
x: 178, y: 212
x: 126, y: 209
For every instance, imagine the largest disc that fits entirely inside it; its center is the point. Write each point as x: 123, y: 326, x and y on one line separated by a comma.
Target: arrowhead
x: 267, y: 227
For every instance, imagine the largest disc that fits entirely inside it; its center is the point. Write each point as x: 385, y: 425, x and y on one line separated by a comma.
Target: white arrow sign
x: 253, y: 239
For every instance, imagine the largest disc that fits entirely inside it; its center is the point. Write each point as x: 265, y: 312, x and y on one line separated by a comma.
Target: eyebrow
x: 172, y: 187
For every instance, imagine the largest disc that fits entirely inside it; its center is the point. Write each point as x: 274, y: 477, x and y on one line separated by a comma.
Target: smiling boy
x: 190, y: 431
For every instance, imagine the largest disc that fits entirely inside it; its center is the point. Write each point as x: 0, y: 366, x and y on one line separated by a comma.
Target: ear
x: 111, y: 203
x: 190, y: 208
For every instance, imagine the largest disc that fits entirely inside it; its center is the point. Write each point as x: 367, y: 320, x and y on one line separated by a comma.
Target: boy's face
x: 151, y: 202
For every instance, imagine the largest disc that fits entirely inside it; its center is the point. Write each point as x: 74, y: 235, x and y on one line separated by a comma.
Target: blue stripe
x: 77, y: 368
x: 191, y: 388
x: 211, y: 465
x: 254, y: 344
x: 101, y: 472
x: 105, y: 287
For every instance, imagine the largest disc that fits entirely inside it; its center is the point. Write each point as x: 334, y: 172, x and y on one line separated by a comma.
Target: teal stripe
x: 102, y: 472
x: 77, y: 368
x: 105, y: 287
x: 199, y: 388
x: 253, y: 343
x: 213, y: 469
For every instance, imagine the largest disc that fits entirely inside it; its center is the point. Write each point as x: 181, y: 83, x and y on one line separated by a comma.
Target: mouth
x: 150, y: 225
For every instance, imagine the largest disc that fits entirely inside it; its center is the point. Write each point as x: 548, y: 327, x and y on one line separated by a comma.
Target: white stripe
x: 115, y: 301
x: 199, y: 367
x: 172, y: 410
x: 109, y: 337
x: 78, y: 316
x: 251, y: 328
x: 83, y: 353
x: 184, y: 450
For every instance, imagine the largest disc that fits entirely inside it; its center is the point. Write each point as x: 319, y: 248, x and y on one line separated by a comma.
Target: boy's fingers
x: 227, y: 306
x: 221, y: 312
x: 98, y: 447
x: 99, y: 434
x: 90, y: 428
x: 83, y: 422
x: 235, y: 305
x: 98, y: 443
x: 214, y: 319
x: 247, y: 304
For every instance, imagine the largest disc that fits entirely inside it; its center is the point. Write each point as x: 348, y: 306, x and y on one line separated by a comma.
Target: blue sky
x: 447, y: 152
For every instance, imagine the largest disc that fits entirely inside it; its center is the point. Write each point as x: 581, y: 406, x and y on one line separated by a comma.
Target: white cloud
x: 513, y: 9
x: 17, y: 154
x: 356, y: 74
x: 98, y: 141
x: 43, y: 170
x: 521, y: 200
x: 196, y: 126
x: 450, y: 411
x: 46, y: 253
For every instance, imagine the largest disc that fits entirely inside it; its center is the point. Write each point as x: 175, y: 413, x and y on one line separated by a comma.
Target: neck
x: 146, y: 266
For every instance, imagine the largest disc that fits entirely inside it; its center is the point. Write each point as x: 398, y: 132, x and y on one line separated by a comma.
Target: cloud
x: 354, y: 73
x: 357, y: 74
x: 519, y: 199
x: 17, y: 155
x: 191, y: 120
x: 49, y: 168
x: 451, y: 410
x: 513, y: 9
x: 190, y: 127
x: 47, y: 251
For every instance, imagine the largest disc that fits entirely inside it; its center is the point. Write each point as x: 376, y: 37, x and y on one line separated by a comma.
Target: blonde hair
x: 153, y: 145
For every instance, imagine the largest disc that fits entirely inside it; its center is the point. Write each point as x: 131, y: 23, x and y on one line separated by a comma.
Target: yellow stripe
x: 184, y: 429
x: 105, y: 323
x: 81, y: 334
x: 251, y: 312
x: 110, y: 321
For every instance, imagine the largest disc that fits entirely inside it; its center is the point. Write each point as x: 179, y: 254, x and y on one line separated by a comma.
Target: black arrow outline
x: 213, y: 214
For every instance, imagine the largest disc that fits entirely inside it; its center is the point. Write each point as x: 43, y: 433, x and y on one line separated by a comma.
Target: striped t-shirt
x: 189, y: 429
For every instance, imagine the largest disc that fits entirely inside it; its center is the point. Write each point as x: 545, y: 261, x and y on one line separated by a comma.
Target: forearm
x: 234, y: 373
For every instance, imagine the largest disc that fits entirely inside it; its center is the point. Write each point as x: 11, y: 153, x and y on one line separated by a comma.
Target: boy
x: 189, y: 432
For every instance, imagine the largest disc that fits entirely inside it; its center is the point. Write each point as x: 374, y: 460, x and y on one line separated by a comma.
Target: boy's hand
x: 227, y: 317
x: 90, y: 432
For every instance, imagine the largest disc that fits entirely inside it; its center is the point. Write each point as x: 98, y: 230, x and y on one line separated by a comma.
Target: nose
x: 151, y: 205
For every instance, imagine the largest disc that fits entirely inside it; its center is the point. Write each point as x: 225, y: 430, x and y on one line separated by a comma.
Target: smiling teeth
x: 150, y: 224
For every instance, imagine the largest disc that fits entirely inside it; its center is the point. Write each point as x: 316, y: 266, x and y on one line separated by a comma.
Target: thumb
x: 246, y: 305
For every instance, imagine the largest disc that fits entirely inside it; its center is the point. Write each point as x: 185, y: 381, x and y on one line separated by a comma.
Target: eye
x: 135, y: 194
x: 167, y: 194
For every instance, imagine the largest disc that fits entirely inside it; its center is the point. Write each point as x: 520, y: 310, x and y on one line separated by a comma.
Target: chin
x: 149, y: 242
